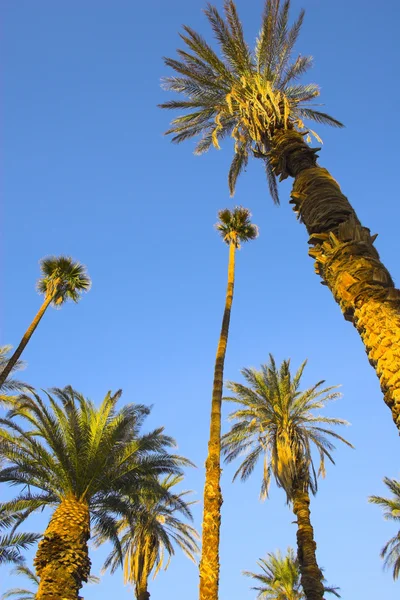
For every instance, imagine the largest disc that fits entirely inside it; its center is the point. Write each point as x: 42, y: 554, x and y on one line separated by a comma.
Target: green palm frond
x: 279, y: 578
x: 391, y: 512
x: 141, y: 543
x: 11, y: 387
x: 65, y: 445
x: 275, y: 421
x: 63, y: 278
x: 13, y: 543
x: 246, y: 94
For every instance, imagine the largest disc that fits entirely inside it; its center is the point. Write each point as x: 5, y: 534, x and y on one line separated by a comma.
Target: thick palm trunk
x: 346, y: 259
x: 311, y: 575
x: 27, y: 336
x: 62, y: 561
x: 209, y: 564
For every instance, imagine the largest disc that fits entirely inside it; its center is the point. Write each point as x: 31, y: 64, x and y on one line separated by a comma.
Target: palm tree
x: 276, y: 421
x: 255, y: 97
x: 21, y: 593
x: 235, y: 227
x: 280, y: 578
x: 156, y: 529
x: 83, y: 461
x: 11, y: 386
x: 11, y: 544
x: 24, y: 594
x: 391, y: 551
x: 62, y: 279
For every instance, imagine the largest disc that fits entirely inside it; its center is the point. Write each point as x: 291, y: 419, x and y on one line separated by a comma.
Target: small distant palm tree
x: 83, y: 461
x: 254, y: 96
x: 276, y: 421
x: 63, y: 279
x: 280, y: 578
x: 156, y: 528
x: 11, y: 387
x: 12, y: 544
x: 391, y: 551
x: 235, y: 228
x: 21, y: 593
x: 24, y: 594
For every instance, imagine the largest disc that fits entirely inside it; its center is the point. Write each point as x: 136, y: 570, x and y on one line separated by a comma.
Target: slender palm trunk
x: 346, y: 259
x: 311, y: 575
x: 62, y: 560
x: 141, y: 581
x: 209, y: 564
x: 27, y: 336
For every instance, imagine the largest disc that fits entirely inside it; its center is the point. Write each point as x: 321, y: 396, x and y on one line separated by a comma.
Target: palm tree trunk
x: 311, y: 575
x: 27, y: 336
x: 62, y: 560
x: 142, y: 593
x: 346, y: 259
x: 209, y: 564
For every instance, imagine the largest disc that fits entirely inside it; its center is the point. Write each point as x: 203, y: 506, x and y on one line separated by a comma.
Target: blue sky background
x: 86, y: 171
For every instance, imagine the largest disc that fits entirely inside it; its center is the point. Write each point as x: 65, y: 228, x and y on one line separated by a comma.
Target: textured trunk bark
x: 346, y: 259
x: 62, y: 561
x: 209, y: 564
x: 27, y: 336
x: 311, y: 575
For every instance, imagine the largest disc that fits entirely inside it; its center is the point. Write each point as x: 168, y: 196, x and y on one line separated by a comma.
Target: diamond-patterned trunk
x: 62, y: 561
x: 310, y: 574
x: 346, y: 259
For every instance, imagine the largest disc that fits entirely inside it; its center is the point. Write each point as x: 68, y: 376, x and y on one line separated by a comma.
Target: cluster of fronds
x: 246, y: 94
x: 235, y: 225
x: 276, y: 421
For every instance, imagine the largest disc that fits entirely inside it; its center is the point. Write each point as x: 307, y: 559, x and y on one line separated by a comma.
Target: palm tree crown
x: 246, y: 94
x: 63, y: 278
x: 156, y: 528
x: 276, y: 420
x: 70, y: 447
x: 279, y: 578
x: 391, y: 551
x: 235, y: 226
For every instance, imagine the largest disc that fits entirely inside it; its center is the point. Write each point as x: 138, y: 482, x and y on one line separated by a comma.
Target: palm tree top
x: 391, y: 512
x: 157, y: 527
x: 247, y: 94
x: 64, y: 277
x: 276, y: 420
x: 279, y: 578
x: 67, y: 445
x: 235, y: 225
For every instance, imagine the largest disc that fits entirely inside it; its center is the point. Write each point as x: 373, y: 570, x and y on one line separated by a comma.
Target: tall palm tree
x: 156, y: 528
x: 256, y: 98
x: 12, y: 386
x: 391, y: 551
x: 62, y: 279
x: 280, y: 578
x: 235, y: 228
x: 83, y: 461
x: 276, y: 420
x: 12, y: 543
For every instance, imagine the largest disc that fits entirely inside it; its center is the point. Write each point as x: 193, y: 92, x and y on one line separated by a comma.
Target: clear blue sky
x: 86, y: 171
